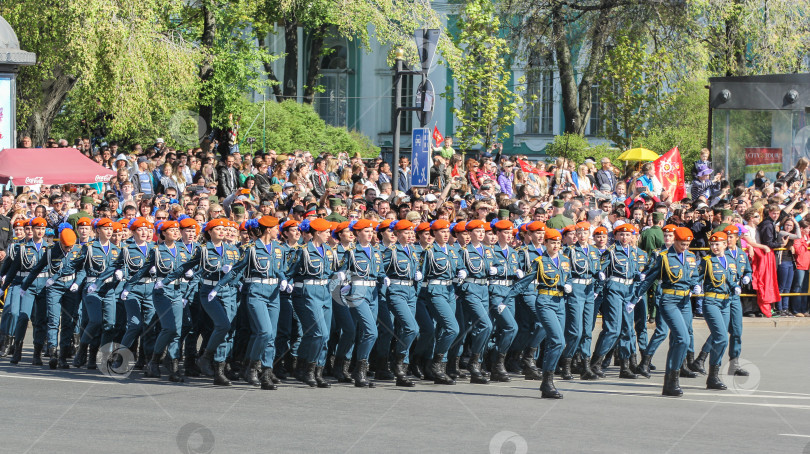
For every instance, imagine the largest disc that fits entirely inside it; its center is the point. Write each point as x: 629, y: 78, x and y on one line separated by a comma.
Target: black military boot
x: 400, y: 370
x: 359, y: 374
x: 566, y: 369
x: 617, y: 361
x: 499, y: 372
x: 341, y: 371
x: 713, y: 380
x: 437, y: 369
x: 513, y: 362
x: 633, y: 363
x: 232, y: 370
x: 174, y: 371
x: 190, y: 363
x: 81, y: 356
x: 152, y: 369
x: 576, y: 365
x: 219, y: 374
x: 415, y: 367
x: 279, y: 367
x: 141, y: 362
x: 699, y: 364
x: 690, y: 363
x: 735, y: 369
x: 644, y: 368
x: 267, y: 379
x: 9, y: 348
x: 320, y: 381
x: 596, y: 366
x: 92, y: 356
x: 205, y: 363
x: 626, y: 371
x: 61, y: 362
x: 452, y: 367
x: 547, y: 388
x: 3, y: 338
x: 530, y: 371
x: 16, y: 356
x: 54, y: 357
x: 308, y: 374
x: 252, y: 374
x: 685, y: 372
x: 587, y: 373
x: 37, y: 361
x: 671, y: 387
x: 383, y: 370
x: 474, y: 366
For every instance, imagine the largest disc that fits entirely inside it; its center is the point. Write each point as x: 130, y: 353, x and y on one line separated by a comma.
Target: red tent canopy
x: 28, y: 166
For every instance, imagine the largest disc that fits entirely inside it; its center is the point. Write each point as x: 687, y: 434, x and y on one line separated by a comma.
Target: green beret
x: 335, y: 217
x: 725, y: 213
x: 335, y: 202
x: 658, y: 217
x: 213, y: 199
x: 88, y: 199
x: 558, y: 203
x: 503, y: 214
x: 238, y: 209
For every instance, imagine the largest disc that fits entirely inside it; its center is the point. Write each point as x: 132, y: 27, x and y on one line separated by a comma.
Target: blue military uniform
x: 505, y: 327
x: 11, y: 308
x: 585, y: 264
x: 720, y: 279
x: 140, y: 309
x: 475, y: 297
x: 530, y: 331
x: 400, y: 264
x: 440, y: 266
x: 553, y: 274
x: 33, y: 305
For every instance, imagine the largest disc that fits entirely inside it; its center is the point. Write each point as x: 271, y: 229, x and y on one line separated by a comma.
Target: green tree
x: 577, y: 148
x: 486, y: 102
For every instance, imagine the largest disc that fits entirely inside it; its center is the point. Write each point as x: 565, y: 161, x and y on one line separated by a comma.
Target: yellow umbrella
x: 639, y: 154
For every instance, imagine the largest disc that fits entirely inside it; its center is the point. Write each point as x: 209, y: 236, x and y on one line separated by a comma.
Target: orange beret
x: 570, y: 228
x: 362, y: 224
x: 188, y: 222
x: 340, y: 227
x: 38, y: 222
x: 584, y: 225
x: 460, y: 227
x: 166, y: 225
x: 384, y: 225
x: 731, y: 230
x: 488, y: 226
x: 268, y: 221
x: 601, y: 230
x: 718, y: 236
x: 535, y: 226
x: 243, y: 227
x: 22, y: 222
x: 117, y: 227
x: 683, y: 234
x: 288, y: 224
x: 104, y: 222
x: 404, y: 225
x: 503, y: 225
x: 219, y: 222
x: 374, y: 224
x: 67, y: 237
x: 439, y: 224
x: 423, y: 227
x: 623, y: 228
x: 475, y: 224
x: 84, y: 221
x: 553, y: 234
x: 138, y: 223
x: 670, y: 228
x: 319, y: 225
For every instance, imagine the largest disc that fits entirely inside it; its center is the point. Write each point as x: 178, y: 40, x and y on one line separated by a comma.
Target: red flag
x: 526, y: 167
x: 437, y: 136
x: 669, y: 171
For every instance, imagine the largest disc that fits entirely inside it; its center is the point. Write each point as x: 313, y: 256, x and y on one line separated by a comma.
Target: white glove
x: 501, y: 308
x: 2, y: 280
x: 49, y: 282
x: 23, y: 293
x: 226, y: 268
x: 519, y: 274
x: 74, y: 288
x: 91, y: 289
x: 345, y: 289
x: 118, y: 275
x: 746, y: 280
x: 340, y: 276
x: 289, y: 288
x: 240, y: 286
x: 629, y: 307
x: 185, y: 302
x: 189, y: 274
x: 567, y: 288
x: 283, y: 285
x: 697, y: 290
x: 493, y: 271
x: 212, y: 295
x: 418, y: 276
x: 595, y: 295
x: 124, y: 295
x: 387, y: 281
x: 153, y: 271
x: 601, y: 276
x: 737, y: 290
x: 462, y: 274
x: 158, y: 285
x: 642, y: 276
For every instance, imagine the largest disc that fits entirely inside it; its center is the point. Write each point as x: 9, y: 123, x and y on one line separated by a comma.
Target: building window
x: 407, y: 100
x: 332, y: 102
x: 595, y: 122
x: 540, y: 98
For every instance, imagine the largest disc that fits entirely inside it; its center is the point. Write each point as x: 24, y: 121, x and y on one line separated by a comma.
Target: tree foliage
x: 577, y: 148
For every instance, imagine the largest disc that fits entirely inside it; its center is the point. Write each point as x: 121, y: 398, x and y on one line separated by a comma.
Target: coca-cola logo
x: 103, y: 178
x: 34, y: 180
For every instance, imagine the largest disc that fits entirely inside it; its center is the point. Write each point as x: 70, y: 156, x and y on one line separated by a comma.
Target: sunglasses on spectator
x: 161, y: 218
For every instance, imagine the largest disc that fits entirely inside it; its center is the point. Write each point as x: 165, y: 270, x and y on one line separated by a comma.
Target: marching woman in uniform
x: 677, y: 269
x: 168, y: 300
x: 423, y: 346
x: 262, y: 270
x: 719, y: 277
x: 314, y: 265
x: 661, y: 329
x: 401, y: 267
x: 530, y: 331
x: 11, y: 309
x: 477, y: 259
x: 344, y: 321
x: 600, y: 238
x: 193, y: 315
x: 501, y: 305
x: 553, y: 274
x: 214, y: 260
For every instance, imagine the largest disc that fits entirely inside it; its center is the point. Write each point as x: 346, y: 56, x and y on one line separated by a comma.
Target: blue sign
x: 420, y: 157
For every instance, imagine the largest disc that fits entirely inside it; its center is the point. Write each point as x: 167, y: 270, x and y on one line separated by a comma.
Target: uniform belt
x: 67, y: 278
x: 621, y: 281
x: 146, y: 280
x: 364, y: 283
x: 550, y: 292
x: 311, y: 282
x: 476, y: 281
x: 174, y: 282
x: 504, y: 282
x: 43, y: 275
x: 670, y: 291
x: 404, y: 282
x: 439, y: 282
x: 581, y: 281
x: 95, y: 278
x: 719, y: 296
x: 23, y: 274
x: 209, y: 282
x: 259, y: 280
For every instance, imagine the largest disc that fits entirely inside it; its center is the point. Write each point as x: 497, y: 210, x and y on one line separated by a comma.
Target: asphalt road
x: 79, y: 411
